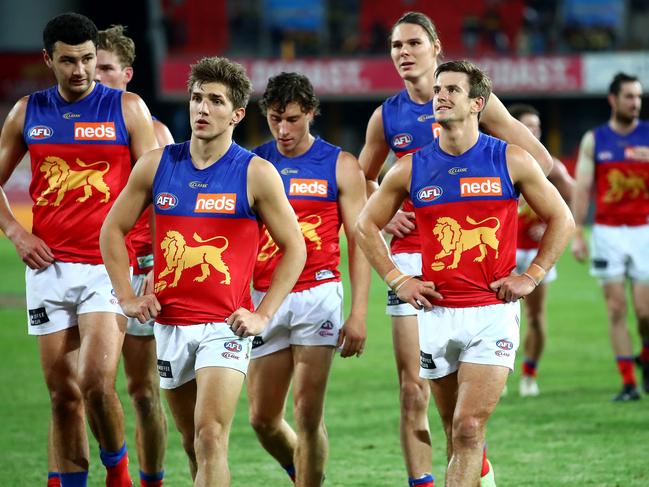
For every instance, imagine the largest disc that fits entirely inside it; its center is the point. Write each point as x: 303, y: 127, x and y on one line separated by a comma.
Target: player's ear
x: 237, y: 115
x: 47, y: 58
x: 128, y: 74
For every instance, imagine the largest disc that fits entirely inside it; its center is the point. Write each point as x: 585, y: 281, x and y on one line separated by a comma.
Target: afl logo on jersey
x: 401, y: 141
x: 429, y: 193
x: 40, y: 132
x: 166, y: 201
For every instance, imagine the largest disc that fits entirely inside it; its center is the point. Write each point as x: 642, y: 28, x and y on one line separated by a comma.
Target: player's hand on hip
x: 512, y: 288
x: 32, y: 250
x: 352, y: 337
x: 244, y: 323
x: 579, y: 248
x: 418, y: 293
x: 143, y: 308
x: 401, y: 224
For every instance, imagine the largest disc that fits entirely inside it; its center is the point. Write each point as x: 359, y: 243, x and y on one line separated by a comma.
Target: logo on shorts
x: 230, y: 355
x: 233, y: 346
x: 166, y: 201
x: 393, y: 299
x: 38, y: 316
x: 257, y: 342
x: 325, y: 329
x: 40, y: 132
x: 426, y: 361
x: 164, y: 369
x: 505, y: 344
x: 500, y: 353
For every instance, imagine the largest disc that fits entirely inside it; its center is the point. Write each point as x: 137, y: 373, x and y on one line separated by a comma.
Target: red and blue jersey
x: 408, y: 126
x: 466, y: 210
x: 206, y: 236
x: 310, y: 185
x: 621, y: 176
x: 80, y: 160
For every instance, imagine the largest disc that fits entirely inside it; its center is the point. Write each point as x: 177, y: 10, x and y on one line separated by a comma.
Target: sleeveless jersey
x: 528, y: 224
x: 310, y: 185
x: 206, y: 236
x: 621, y: 176
x: 80, y: 160
x: 408, y: 126
x: 467, y: 219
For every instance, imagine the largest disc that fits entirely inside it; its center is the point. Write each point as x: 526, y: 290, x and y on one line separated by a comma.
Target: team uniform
x: 80, y: 161
x: 206, y: 235
x: 408, y: 126
x: 620, y: 236
x: 467, y: 219
x: 530, y: 232
x: 312, y: 313
x: 142, y: 263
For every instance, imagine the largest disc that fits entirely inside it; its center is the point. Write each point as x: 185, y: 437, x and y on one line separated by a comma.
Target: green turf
x: 572, y: 435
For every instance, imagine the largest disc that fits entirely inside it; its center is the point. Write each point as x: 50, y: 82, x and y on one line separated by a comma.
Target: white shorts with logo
x: 312, y: 317
x: 619, y: 252
x: 524, y: 258
x: 486, y: 335
x: 182, y: 350
x: 133, y: 326
x: 408, y: 264
x: 59, y: 293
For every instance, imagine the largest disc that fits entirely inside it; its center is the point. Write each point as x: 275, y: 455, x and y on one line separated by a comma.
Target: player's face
x: 211, y: 112
x: 110, y: 72
x: 628, y: 102
x: 73, y: 66
x: 532, y: 122
x: 290, y: 128
x: 412, y: 52
x: 451, y: 100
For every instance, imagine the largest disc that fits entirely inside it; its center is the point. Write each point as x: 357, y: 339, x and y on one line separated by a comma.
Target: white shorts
x: 182, y: 350
x: 312, y: 317
x: 486, y: 335
x: 57, y: 294
x: 524, y: 258
x: 134, y: 327
x: 408, y: 264
x: 619, y: 252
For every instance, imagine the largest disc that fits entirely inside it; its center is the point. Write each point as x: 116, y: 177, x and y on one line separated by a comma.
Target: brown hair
x: 221, y: 70
x: 114, y: 40
x: 479, y: 82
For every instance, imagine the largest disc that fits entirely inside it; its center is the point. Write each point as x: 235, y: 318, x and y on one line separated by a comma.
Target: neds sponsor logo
x: 215, y: 203
x: 95, y: 131
x: 480, y: 187
x: 308, y: 187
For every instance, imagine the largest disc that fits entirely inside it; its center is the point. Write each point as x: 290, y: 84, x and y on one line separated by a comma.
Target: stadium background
x: 558, y: 55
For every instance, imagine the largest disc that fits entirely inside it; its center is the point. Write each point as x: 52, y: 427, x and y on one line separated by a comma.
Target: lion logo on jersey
x: 620, y: 185
x: 61, y: 179
x: 180, y: 256
x: 456, y: 240
x: 308, y: 227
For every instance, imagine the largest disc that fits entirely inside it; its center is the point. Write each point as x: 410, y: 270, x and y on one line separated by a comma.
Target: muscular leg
x: 218, y: 390
x: 144, y: 389
x: 479, y: 388
x: 536, y: 324
x: 101, y: 336
x: 69, y: 444
x: 182, y: 402
x: 641, y: 307
x: 445, y: 395
x: 312, y: 365
x: 269, y: 378
x: 615, y: 296
x: 414, y: 396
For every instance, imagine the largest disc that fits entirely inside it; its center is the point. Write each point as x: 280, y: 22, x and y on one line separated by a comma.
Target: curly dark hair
x: 70, y: 28
x: 287, y: 88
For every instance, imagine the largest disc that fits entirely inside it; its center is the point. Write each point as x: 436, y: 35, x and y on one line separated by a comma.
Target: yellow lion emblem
x: 61, y: 179
x: 457, y: 240
x: 308, y: 228
x: 180, y: 256
x: 631, y: 185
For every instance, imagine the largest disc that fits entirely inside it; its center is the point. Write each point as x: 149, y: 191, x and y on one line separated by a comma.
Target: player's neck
x: 458, y: 137
x: 420, y: 90
x: 622, y: 126
x: 74, y: 97
x: 204, y: 153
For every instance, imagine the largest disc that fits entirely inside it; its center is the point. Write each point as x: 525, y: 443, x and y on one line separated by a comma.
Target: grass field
x: 572, y: 435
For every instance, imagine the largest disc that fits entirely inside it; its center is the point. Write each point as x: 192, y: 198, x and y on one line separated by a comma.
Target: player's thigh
x: 182, y: 401
x: 269, y: 378
x: 139, y: 354
x: 217, y: 392
x: 59, y: 353
x: 479, y: 389
x: 405, y: 342
x: 102, y: 335
x: 615, y: 296
x: 311, y: 373
x: 444, y: 392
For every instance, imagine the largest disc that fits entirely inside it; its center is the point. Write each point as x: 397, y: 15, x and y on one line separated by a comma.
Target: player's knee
x: 414, y: 397
x: 308, y: 417
x: 211, y: 438
x: 96, y: 392
x: 468, y: 431
x: 146, y: 399
x: 66, y: 404
x: 263, y: 424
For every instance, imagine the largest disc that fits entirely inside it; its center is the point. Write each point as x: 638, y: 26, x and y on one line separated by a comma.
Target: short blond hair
x: 114, y: 40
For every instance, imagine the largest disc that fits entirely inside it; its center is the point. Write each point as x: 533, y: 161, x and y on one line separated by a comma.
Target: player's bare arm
x: 162, y: 134
x: 371, y: 159
x: 585, y: 175
x: 139, y: 125
x: 31, y: 249
x: 351, y: 199
x: 126, y: 210
x: 379, y: 209
x: 497, y: 121
x: 268, y: 200
x: 561, y: 179
x: 548, y: 204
